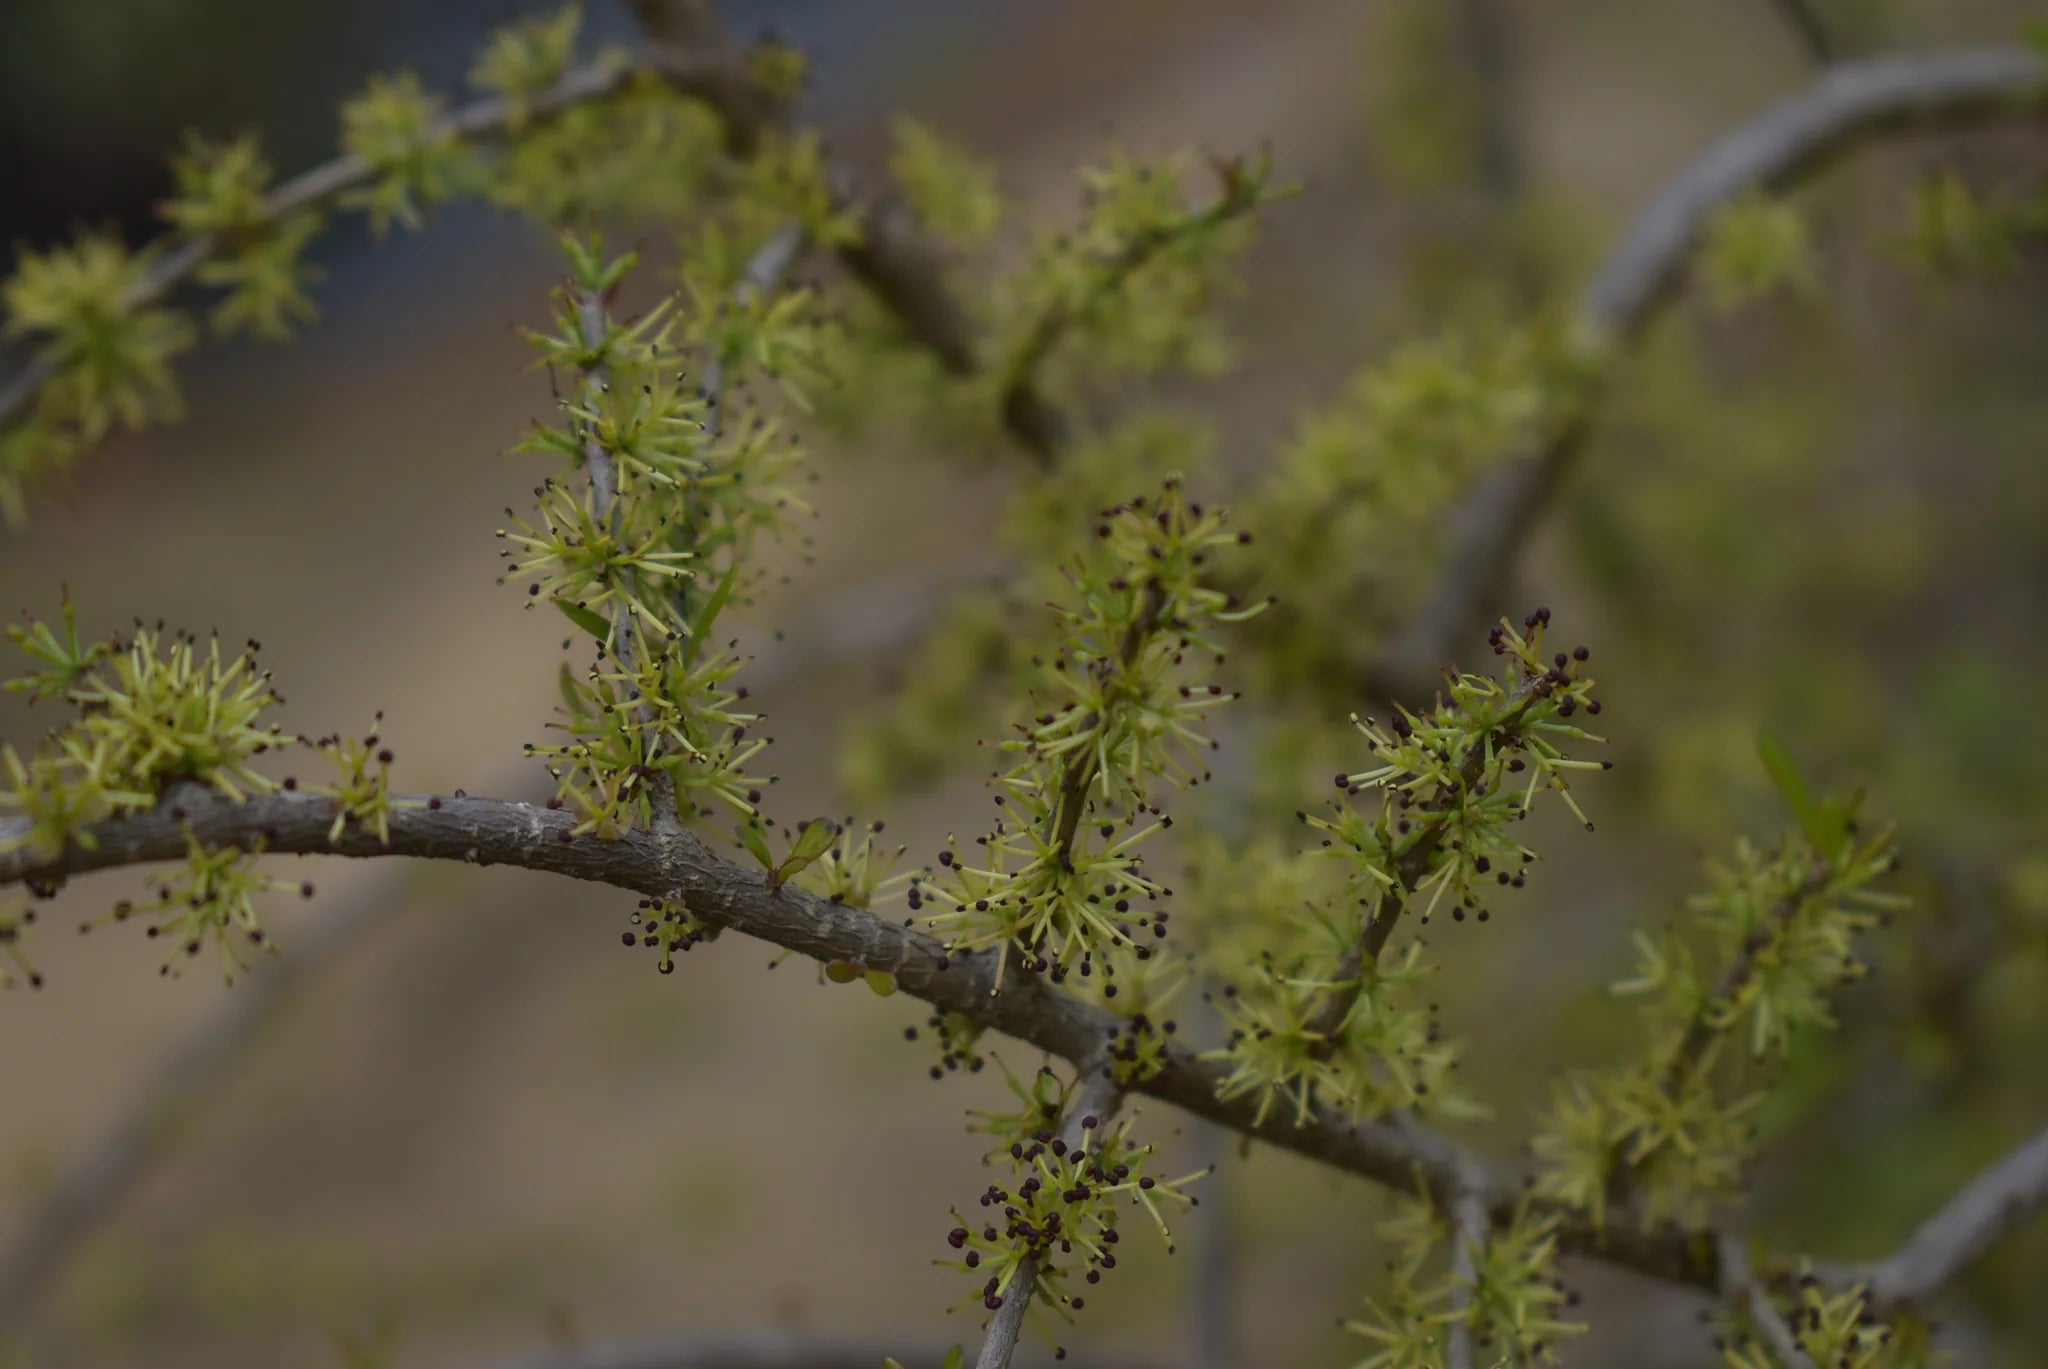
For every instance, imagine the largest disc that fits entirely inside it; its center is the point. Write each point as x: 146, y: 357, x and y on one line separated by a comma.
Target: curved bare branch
x: 1849, y: 105
x: 2011, y: 1192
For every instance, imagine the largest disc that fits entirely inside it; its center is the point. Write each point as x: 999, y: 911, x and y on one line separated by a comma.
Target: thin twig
x: 1238, y: 198
x: 1359, y: 958
x: 763, y: 275
x: 1740, y: 1286
x: 1090, y: 1111
x: 1851, y: 104
x: 1468, y: 1216
x: 1701, y: 1028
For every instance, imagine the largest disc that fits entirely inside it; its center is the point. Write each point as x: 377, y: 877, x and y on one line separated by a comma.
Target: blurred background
x: 484, y: 1128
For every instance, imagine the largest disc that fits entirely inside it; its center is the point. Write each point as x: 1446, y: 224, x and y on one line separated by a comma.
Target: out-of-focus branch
x: 1740, y: 1286
x: 1989, y: 1208
x: 891, y: 255
x: 1090, y: 1111
x: 101, y: 1174
x: 1212, y: 1238
x: 179, y: 262
x: 1849, y: 105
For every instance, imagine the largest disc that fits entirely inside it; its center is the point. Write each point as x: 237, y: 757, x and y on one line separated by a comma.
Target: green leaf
x: 593, y: 623
x: 1825, y: 824
x: 700, y: 629
x: 566, y: 682
x: 813, y: 840
x: 756, y: 843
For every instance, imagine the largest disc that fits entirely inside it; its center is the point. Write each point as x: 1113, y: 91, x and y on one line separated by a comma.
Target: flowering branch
x: 494, y: 116
x: 1411, y: 870
x: 1740, y: 1286
x: 1088, y: 1114
x: 677, y: 864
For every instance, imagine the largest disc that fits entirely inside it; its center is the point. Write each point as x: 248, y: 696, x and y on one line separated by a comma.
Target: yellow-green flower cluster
x: 1129, y: 289
x: 211, y: 896
x: 1321, y: 1013
x: 150, y: 712
x: 1056, y: 1215
x: 1510, y: 1303
x: 1754, y: 962
x: 655, y: 542
x: 1059, y: 880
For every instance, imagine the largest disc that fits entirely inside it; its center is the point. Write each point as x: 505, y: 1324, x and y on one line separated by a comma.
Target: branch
x: 1740, y: 1286
x: 763, y: 275
x: 1989, y: 1208
x: 319, y: 187
x: 1019, y: 397
x: 1091, y: 1110
x: 1851, y: 104
x: 106, y: 1169
x: 678, y: 864
x: 1212, y: 1286
x: 891, y: 255
x: 1363, y: 954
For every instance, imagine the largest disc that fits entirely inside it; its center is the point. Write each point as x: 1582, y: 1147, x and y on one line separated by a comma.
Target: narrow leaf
x: 813, y: 841
x: 1825, y: 825
x: 592, y: 623
x: 756, y: 843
